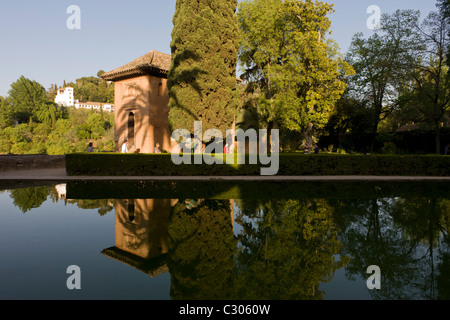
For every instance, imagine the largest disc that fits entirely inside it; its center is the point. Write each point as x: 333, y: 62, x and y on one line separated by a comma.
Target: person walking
x: 156, y: 149
x: 125, y: 146
x: 90, y: 147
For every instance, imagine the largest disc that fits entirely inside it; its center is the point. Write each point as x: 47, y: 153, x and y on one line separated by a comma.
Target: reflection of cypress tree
x: 288, y: 249
x: 30, y: 198
x: 202, y: 246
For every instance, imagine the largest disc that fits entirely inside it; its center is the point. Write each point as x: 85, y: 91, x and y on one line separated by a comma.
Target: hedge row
x: 215, y: 189
x: 116, y: 164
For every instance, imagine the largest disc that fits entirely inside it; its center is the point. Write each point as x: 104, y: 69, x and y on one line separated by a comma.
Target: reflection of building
x: 61, y: 189
x: 142, y: 234
x: 142, y: 102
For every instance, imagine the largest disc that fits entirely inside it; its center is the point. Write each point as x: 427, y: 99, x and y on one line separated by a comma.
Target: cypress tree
x: 202, y: 78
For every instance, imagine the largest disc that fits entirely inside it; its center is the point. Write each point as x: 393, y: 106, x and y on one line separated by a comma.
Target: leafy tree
x: 48, y: 128
x: 27, y: 98
x: 429, y: 91
x: 444, y: 8
x: 93, y: 89
x: 6, y: 113
x: 350, y: 118
x: 380, y: 62
x: 202, y: 77
x: 287, y: 55
x: 52, y: 92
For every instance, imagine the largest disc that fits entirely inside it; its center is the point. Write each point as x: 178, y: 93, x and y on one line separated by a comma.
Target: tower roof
x: 153, y: 63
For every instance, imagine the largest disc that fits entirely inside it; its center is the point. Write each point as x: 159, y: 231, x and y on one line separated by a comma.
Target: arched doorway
x: 131, y: 132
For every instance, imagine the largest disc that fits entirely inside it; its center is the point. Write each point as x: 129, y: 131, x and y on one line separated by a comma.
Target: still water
x: 242, y: 241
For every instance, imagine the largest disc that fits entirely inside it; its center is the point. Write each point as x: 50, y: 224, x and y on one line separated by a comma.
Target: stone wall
x: 24, y: 162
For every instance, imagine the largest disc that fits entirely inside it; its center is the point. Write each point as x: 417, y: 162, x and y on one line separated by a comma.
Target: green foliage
x: 287, y: 56
x: 29, y: 198
x: 93, y: 89
x: 202, y: 246
x: 278, y: 256
x: 65, y: 136
x: 45, y: 128
x: 202, y: 78
x: 290, y: 165
x: 426, y: 97
x: 28, y: 100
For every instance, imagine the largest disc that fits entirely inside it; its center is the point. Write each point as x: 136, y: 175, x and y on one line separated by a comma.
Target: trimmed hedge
x: 216, y: 189
x: 116, y: 164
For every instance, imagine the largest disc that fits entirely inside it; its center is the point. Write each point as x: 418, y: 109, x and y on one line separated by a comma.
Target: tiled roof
x: 153, y: 266
x: 152, y: 63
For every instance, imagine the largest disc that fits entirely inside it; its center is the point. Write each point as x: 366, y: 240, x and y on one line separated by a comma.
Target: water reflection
x: 282, y: 248
x: 141, y: 234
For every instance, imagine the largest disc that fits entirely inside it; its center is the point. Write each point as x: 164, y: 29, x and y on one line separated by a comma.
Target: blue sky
x: 36, y: 43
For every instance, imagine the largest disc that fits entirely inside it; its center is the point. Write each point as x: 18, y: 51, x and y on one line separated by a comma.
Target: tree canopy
x: 202, y: 77
x: 286, y: 54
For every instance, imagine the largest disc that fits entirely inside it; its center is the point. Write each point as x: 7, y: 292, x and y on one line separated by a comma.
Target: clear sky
x: 35, y: 41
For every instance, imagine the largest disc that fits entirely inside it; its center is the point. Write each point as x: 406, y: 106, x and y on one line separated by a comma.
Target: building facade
x: 95, y: 106
x: 142, y: 103
x: 65, y: 97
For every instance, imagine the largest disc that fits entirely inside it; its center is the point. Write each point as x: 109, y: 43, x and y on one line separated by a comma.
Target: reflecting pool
x: 225, y: 240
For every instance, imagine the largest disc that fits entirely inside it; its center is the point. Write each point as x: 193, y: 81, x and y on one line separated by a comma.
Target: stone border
x: 31, y: 161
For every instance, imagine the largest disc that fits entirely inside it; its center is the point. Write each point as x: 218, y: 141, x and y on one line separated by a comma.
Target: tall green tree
x: 429, y: 92
x: 27, y: 97
x: 287, y: 55
x: 6, y: 113
x: 380, y: 61
x: 444, y: 8
x: 202, y: 77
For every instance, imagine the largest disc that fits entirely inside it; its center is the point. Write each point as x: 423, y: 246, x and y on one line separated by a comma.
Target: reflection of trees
x: 425, y: 223
x: 202, y: 245
x: 30, y: 198
x: 288, y: 247
x: 103, y: 205
x: 402, y: 237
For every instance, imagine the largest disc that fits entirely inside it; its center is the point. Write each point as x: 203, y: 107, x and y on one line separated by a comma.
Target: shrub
x: 116, y: 164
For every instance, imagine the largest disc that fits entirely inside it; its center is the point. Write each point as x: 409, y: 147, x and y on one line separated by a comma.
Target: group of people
x: 125, y: 149
x: 226, y: 149
x: 308, y: 149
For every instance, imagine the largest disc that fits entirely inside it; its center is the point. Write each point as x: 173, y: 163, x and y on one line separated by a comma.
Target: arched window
x: 131, y: 129
x: 160, y: 89
x: 130, y: 209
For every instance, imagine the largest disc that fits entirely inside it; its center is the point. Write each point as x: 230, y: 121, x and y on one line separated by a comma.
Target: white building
x: 65, y: 97
x: 95, y: 106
